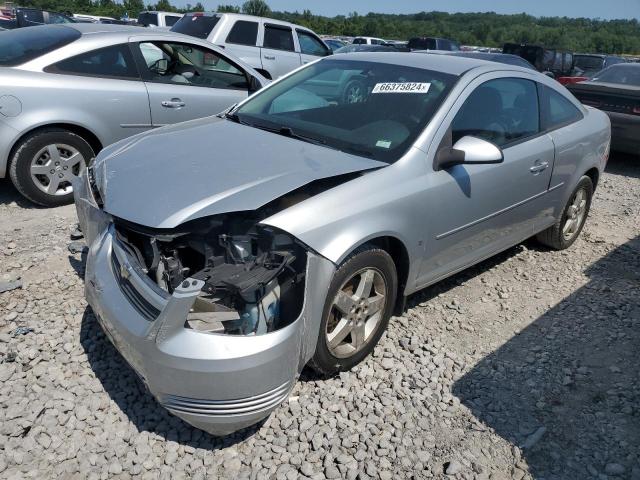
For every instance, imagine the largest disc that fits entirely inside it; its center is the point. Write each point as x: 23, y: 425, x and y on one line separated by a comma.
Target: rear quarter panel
x: 579, y: 147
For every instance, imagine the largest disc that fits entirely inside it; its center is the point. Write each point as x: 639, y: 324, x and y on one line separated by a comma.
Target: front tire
x: 45, y: 163
x: 566, y: 230
x: 357, y: 309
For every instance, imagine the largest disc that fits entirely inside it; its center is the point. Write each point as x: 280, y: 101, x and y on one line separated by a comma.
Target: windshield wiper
x: 288, y: 132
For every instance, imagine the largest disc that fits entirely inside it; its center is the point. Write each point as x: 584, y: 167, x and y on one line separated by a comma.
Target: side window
x: 310, y: 45
x: 183, y: 64
x: 57, y: 18
x: 243, y: 33
x: 109, y: 62
x: 171, y: 20
x: 359, y: 41
x: 501, y: 111
x: 557, y: 110
x: 278, y: 38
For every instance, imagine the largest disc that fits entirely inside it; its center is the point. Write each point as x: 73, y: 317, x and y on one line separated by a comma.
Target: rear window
x: 628, y: 74
x: 422, y: 44
x: 199, y: 26
x: 587, y: 62
x: 24, y: 44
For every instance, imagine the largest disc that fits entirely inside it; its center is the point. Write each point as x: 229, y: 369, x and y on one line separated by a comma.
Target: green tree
x: 258, y: 8
x: 228, y: 8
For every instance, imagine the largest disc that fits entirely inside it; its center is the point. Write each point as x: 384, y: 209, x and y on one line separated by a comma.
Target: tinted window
x: 278, y: 38
x: 146, y: 19
x: 243, y: 33
x: 24, y: 44
x: 369, y: 109
x: 182, y: 64
x: 32, y: 17
x: 359, y: 41
x: 500, y: 111
x: 422, y: 44
x: 587, y: 62
x: 58, y: 18
x: 310, y: 45
x: 557, y: 110
x: 171, y: 20
x: 199, y: 26
x: 115, y: 62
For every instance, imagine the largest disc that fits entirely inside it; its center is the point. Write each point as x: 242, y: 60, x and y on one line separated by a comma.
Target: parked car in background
x: 432, y: 43
x: 586, y: 66
x: 272, y: 47
x: 368, y: 41
x: 334, y: 43
x: 494, y: 57
x: 29, y: 17
x: 550, y: 61
x: 158, y: 19
x: 69, y: 91
x: 296, y: 229
x: 616, y: 91
x: 366, y: 48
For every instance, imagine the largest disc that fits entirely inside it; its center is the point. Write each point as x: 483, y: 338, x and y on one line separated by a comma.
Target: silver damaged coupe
x: 227, y: 253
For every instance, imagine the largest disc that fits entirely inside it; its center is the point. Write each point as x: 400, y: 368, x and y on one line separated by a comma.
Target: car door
x: 187, y: 81
x: 102, y: 89
x: 279, y: 55
x: 311, y: 47
x: 475, y: 211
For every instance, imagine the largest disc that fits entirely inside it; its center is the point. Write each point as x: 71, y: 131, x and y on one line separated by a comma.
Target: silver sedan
x: 72, y: 89
x: 226, y: 254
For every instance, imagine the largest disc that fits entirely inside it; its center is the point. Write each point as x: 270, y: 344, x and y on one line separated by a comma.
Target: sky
x: 606, y: 9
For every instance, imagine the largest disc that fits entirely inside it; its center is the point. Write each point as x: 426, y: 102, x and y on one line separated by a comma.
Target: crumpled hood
x: 209, y: 166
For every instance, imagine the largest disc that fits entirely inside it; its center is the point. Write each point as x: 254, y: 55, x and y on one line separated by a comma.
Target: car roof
x: 244, y: 16
x: 450, y: 64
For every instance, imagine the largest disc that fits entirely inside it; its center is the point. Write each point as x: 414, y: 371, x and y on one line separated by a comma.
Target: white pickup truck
x: 272, y: 47
x: 158, y: 19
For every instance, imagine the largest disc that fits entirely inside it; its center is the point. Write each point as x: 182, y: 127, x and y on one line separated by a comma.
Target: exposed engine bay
x: 253, y: 275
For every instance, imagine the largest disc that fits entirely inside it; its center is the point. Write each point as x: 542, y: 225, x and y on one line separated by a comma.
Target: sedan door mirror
x: 468, y: 150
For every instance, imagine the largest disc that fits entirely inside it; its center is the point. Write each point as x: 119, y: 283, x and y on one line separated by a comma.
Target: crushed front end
x: 217, y: 316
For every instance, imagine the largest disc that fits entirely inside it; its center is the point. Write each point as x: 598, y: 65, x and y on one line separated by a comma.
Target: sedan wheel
x: 356, y: 312
x: 357, y: 309
x: 46, y: 162
x: 54, y: 166
x: 575, y: 214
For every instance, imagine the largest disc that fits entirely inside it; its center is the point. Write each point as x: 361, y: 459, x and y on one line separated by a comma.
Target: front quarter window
x: 370, y: 109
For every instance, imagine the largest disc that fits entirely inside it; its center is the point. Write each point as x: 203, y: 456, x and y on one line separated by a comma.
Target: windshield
x: 622, y: 74
x: 366, y: 108
x: 24, y: 44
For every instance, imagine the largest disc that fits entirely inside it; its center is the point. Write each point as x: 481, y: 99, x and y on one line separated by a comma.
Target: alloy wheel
x: 356, y: 312
x: 575, y: 214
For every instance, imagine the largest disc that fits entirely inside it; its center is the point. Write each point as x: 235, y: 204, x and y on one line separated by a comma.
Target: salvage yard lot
x: 525, y: 366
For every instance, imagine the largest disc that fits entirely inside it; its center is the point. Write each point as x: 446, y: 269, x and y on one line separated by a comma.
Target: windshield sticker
x: 383, y: 143
x: 404, y: 87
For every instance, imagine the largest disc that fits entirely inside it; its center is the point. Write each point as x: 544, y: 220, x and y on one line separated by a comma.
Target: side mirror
x: 468, y: 150
x: 254, y: 84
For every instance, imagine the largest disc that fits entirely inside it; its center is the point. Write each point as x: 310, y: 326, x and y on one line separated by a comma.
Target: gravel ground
x: 526, y: 366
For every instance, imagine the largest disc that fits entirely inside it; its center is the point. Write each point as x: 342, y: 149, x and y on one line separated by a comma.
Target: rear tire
x: 45, y: 163
x: 359, y: 303
x: 566, y: 230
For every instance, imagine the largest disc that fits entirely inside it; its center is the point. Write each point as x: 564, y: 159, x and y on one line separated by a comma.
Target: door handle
x: 173, y: 103
x: 538, y: 167
x: 270, y: 57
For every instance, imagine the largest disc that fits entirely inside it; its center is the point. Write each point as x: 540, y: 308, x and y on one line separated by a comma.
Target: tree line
x: 486, y: 29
